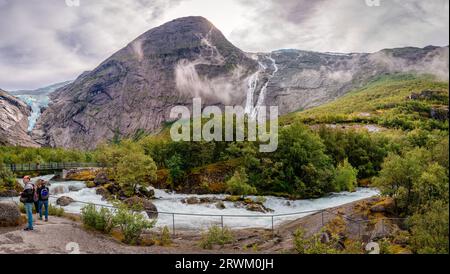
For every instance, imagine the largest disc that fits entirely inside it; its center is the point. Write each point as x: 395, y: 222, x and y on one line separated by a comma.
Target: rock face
x: 135, y: 89
x: 307, y: 79
x: 14, y: 121
x: 9, y: 214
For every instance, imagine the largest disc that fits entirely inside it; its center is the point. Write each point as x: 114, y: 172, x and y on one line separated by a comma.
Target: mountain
x: 14, y: 121
x: 134, y: 89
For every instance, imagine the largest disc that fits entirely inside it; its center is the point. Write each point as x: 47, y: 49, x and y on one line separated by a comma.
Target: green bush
x: 237, y: 185
x: 131, y: 223
x: 55, y: 211
x: 216, y: 236
x: 164, y: 237
x: 101, y: 220
x: 345, y: 178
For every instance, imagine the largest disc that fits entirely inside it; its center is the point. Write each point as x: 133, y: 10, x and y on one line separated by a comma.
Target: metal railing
x: 49, y: 166
x: 325, y: 218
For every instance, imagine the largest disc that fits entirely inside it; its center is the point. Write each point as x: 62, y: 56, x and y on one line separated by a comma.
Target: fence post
x: 173, y: 223
x: 273, y: 231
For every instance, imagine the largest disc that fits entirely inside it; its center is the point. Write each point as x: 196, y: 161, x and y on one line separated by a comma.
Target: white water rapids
x: 172, y: 203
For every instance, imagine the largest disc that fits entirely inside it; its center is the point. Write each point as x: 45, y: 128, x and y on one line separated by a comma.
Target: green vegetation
x: 237, y: 185
x: 396, y: 101
x: 130, y: 223
x: 315, y: 245
x: 346, y: 176
x: 7, y: 180
x: 127, y: 165
x: 216, y: 236
x: 101, y: 220
x: 22, y: 155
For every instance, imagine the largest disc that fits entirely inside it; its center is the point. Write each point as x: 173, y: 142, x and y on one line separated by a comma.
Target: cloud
x: 42, y: 42
x: 344, y: 25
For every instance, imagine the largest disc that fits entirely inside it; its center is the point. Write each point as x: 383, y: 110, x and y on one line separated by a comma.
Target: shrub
x: 345, y: 178
x: 131, y: 223
x: 237, y: 185
x: 101, y: 220
x: 216, y: 235
x: 313, y: 244
x: 55, y: 211
x: 164, y: 237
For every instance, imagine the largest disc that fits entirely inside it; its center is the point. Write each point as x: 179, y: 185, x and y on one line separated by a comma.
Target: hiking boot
x: 40, y: 218
x: 28, y: 229
x: 46, y: 220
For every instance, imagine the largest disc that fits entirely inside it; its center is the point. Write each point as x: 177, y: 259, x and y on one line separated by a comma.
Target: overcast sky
x: 48, y: 41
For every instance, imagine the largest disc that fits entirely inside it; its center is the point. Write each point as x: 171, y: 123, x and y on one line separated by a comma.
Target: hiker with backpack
x: 27, y: 198
x: 43, y: 193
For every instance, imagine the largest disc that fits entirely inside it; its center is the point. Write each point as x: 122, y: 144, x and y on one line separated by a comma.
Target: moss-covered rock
x: 82, y: 174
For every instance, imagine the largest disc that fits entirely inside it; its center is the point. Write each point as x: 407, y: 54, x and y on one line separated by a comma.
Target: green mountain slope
x: 401, y: 101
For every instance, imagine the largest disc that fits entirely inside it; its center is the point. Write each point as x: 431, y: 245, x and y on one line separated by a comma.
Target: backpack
x: 44, y: 193
x: 35, y: 195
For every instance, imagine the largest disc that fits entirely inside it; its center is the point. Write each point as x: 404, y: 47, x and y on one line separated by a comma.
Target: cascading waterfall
x: 250, y: 108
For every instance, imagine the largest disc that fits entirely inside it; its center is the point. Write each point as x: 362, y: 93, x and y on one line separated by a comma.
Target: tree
x: 127, y: 165
x: 306, y: 170
x: 430, y: 229
x: 345, y: 178
x: 133, y: 171
x: 174, y: 164
x: 7, y: 180
x: 400, y: 175
x: 237, y: 185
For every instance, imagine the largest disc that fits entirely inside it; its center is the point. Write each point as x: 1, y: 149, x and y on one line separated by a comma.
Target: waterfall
x: 250, y: 108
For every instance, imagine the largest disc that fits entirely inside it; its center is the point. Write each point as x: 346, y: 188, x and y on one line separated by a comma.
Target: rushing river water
x: 172, y: 203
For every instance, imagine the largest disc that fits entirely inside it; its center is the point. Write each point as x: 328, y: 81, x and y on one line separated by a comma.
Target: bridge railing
x: 49, y: 166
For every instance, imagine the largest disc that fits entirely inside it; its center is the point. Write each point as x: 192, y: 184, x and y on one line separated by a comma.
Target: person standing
x: 27, y: 198
x: 43, y: 193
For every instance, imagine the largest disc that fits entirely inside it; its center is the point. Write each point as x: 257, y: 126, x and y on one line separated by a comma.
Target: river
x: 168, y: 202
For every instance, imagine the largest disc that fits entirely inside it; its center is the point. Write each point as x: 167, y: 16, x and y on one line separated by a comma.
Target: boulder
x: 192, y: 201
x: 101, y: 178
x: 81, y: 174
x: 9, y: 214
x: 90, y: 184
x: 64, y: 201
x: 147, y: 206
x: 256, y: 207
x: 9, y: 193
x: 220, y: 205
x: 439, y: 113
x: 146, y: 192
x: 384, y: 206
x: 102, y: 191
